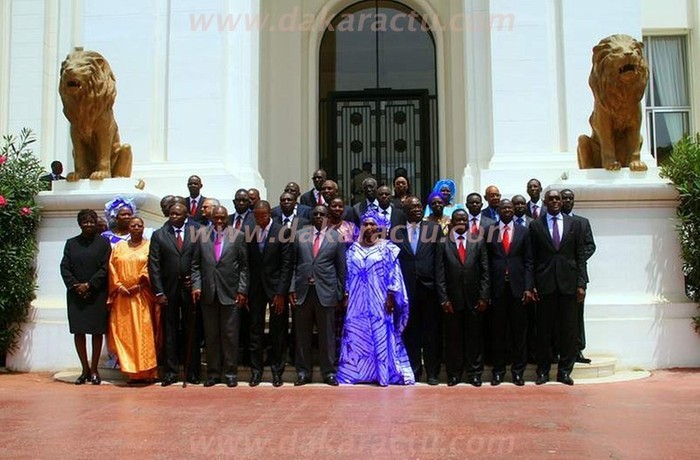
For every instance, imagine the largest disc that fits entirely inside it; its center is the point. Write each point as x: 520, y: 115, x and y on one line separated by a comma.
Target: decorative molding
x: 50, y: 76
x: 161, y: 81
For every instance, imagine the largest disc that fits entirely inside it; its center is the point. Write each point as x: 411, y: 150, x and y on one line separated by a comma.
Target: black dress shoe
x: 82, y: 379
x: 95, y: 379
x: 331, y: 380
x: 301, y: 380
x: 211, y: 381
x: 452, y: 381
x: 496, y: 379
x: 582, y: 359
x: 194, y: 380
x: 255, y: 379
x: 276, y: 380
x: 565, y: 378
x: 231, y: 382
x: 518, y: 380
x: 475, y: 380
x: 168, y: 379
x: 541, y: 378
x: 433, y: 380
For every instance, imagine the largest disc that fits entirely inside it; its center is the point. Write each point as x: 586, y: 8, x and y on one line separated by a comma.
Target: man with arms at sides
x: 299, y: 209
x: 493, y: 197
x: 317, y: 290
x: 463, y: 293
x: 220, y: 280
x: 534, y: 206
x: 522, y: 219
x: 195, y: 199
x: 369, y: 187
x: 510, y: 263
x: 330, y: 191
x: 207, y: 206
x: 287, y: 215
x: 254, y: 197
x: 390, y: 213
x: 559, y: 255
x: 270, y: 267
x: 242, y: 217
x: 313, y: 197
x: 169, y: 262
x: 520, y: 216
x: 422, y: 272
x: 567, y: 206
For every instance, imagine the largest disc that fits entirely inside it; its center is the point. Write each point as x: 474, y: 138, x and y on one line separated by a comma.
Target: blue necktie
x: 414, y: 239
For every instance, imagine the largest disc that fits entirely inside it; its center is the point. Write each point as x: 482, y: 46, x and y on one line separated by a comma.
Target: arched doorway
x: 378, y: 95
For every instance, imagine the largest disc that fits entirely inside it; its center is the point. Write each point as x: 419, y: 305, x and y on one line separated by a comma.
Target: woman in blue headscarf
x: 448, y: 190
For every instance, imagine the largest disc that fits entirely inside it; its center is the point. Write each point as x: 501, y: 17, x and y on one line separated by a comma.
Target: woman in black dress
x: 84, y: 270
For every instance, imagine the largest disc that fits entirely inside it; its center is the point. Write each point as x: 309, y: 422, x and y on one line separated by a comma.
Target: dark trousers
x: 177, y: 326
x: 279, y: 326
x: 464, y: 344
x: 581, y: 343
x: 532, y: 332
x: 304, y: 316
x: 556, y: 311
x: 508, y: 327
x: 423, y: 332
x: 221, y: 329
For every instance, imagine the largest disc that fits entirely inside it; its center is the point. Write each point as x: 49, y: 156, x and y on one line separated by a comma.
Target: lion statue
x: 618, y: 80
x: 87, y: 89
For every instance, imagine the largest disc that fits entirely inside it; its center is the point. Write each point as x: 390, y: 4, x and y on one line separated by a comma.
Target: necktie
x: 414, y: 238
x: 217, y: 246
x: 237, y: 225
x: 520, y: 221
x: 261, y: 241
x: 556, y: 239
x: 506, y: 239
x: 535, y: 213
x: 317, y: 243
x: 193, y: 208
x: 287, y: 222
x: 178, y: 239
x: 461, y: 250
x: 320, y: 199
x: 475, y: 228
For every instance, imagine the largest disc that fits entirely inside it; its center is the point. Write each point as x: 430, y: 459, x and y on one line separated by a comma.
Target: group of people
x: 391, y: 286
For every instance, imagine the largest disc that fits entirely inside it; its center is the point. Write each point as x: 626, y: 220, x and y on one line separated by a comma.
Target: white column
x: 5, y: 37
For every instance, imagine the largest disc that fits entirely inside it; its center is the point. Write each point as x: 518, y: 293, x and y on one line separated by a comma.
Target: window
x: 667, y: 94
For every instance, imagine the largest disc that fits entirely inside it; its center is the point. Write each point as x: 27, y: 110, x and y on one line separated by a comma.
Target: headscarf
x: 451, y: 184
x: 112, y: 207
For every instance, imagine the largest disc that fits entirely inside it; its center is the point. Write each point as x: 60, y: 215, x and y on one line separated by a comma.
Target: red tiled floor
x: 651, y: 418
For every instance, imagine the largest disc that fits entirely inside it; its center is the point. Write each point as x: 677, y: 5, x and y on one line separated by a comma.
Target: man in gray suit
x: 220, y: 281
x: 318, y: 287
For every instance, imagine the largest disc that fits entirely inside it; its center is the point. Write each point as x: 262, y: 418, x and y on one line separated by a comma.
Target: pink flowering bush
x: 20, y: 171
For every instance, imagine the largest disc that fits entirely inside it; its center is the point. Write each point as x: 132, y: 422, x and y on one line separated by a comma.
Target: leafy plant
x: 19, y: 218
x: 683, y: 168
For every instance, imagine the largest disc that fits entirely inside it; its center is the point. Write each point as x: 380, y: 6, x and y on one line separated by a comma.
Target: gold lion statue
x: 618, y: 80
x: 87, y: 89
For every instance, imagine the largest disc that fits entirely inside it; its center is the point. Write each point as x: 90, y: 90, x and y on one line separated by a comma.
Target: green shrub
x: 683, y: 168
x: 19, y: 218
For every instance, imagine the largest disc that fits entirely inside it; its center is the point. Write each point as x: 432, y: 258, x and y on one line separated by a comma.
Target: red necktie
x: 506, y: 239
x: 535, y: 212
x: 237, y: 225
x: 475, y: 228
x: 462, y: 250
x: 320, y: 199
x: 179, y: 241
x: 317, y: 243
x: 193, y: 209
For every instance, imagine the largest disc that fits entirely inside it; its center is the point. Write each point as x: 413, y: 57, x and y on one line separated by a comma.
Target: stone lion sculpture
x: 87, y: 89
x: 618, y: 80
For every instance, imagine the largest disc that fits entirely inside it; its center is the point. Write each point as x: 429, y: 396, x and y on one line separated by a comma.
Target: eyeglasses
x: 318, y: 214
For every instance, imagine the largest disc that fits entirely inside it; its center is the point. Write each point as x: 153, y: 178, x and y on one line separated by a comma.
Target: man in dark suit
x: 560, y: 281
x: 330, y: 191
x: 290, y: 212
x: 300, y: 210
x: 207, y: 206
x: 567, y: 206
x: 422, y: 271
x: 169, y: 263
x: 55, y: 174
x: 220, y: 280
x: 254, y: 197
x: 369, y: 187
x: 534, y: 206
x: 493, y: 197
x: 477, y: 220
x: 463, y: 293
x: 195, y: 199
x: 510, y: 264
x: 520, y: 216
x: 313, y: 197
x: 317, y: 290
x: 387, y: 210
x: 522, y: 219
x: 242, y: 217
x: 270, y: 267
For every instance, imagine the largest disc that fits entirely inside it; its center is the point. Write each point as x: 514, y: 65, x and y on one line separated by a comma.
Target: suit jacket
x: 464, y: 284
x: 302, y: 211
x: 248, y: 223
x: 167, y: 265
x: 398, y: 217
x: 327, y: 268
x: 298, y: 222
x: 49, y: 177
x: 558, y: 270
x: 540, y: 210
x: 425, y: 266
x: 518, y: 261
x: 350, y: 215
x: 361, y: 207
x: 272, y: 268
x: 220, y: 280
x: 308, y: 199
x: 588, y: 241
x: 527, y: 218
x: 486, y: 212
x: 485, y: 222
x: 198, y: 217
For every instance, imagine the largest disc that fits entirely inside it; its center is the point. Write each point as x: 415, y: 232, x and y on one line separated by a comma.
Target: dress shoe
x: 211, y: 381
x: 255, y: 379
x: 331, y: 380
x: 496, y: 379
x: 168, y: 379
x: 565, y: 378
x: 95, y: 379
x: 302, y: 380
x: 231, y: 382
x: 277, y: 380
x: 582, y: 359
x: 433, y: 380
x: 518, y: 379
x: 542, y: 378
x: 452, y: 381
x: 475, y: 380
x: 82, y: 379
x: 194, y: 380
